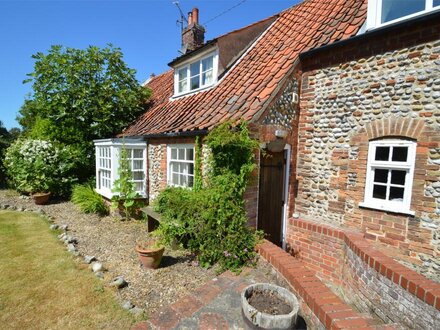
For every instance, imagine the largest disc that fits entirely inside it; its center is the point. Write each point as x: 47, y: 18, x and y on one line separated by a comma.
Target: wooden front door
x: 271, y: 196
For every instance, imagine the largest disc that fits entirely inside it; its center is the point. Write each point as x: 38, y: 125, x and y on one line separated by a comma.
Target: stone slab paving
x: 215, y: 305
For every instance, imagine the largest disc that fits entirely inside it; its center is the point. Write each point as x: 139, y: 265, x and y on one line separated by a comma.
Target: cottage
x: 253, y: 74
x: 344, y: 96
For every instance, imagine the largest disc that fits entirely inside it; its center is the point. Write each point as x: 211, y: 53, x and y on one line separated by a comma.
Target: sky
x: 146, y: 31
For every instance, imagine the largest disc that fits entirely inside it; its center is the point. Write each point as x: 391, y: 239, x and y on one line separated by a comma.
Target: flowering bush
x: 40, y: 166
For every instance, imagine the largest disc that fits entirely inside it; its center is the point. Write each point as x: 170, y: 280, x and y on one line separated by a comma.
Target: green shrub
x: 41, y: 166
x: 211, y: 220
x: 88, y: 200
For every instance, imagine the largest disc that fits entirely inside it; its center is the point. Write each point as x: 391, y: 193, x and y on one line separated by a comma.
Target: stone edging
x: 418, y: 285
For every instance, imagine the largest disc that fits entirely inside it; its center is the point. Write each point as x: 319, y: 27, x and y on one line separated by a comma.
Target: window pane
x: 190, y: 168
x: 138, y: 175
x: 396, y: 194
x: 379, y: 191
x: 175, y: 167
x: 398, y: 177
x: 195, y: 83
x: 382, y: 153
x: 393, y: 9
x: 400, y: 154
x: 175, y: 178
x: 207, y: 63
x: 173, y: 153
x: 181, y: 154
x: 184, y: 168
x: 137, y: 164
x: 139, y: 186
x: 436, y: 3
x: 190, y: 154
x: 195, y: 69
x: 207, y: 78
x: 183, y: 180
x: 182, y: 74
x: 190, y: 181
x: 183, y: 86
x: 138, y: 153
x: 380, y: 175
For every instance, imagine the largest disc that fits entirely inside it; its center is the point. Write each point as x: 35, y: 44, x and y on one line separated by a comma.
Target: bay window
x: 108, y: 152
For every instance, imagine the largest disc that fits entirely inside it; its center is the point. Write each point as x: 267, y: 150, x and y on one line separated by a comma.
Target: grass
x: 41, y: 285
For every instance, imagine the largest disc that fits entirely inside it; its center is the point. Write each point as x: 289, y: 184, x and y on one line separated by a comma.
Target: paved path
x: 215, y: 305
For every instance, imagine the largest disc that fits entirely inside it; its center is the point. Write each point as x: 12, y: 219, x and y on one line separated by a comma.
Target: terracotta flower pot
x: 41, y: 198
x: 150, y: 256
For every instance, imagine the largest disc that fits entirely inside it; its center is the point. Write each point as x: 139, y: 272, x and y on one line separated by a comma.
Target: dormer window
x: 382, y: 12
x: 195, y: 75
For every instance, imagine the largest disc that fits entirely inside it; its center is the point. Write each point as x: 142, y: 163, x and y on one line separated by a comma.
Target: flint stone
x: 71, y: 248
x: 89, y: 259
x: 53, y: 227
x: 99, y: 275
x: 97, y: 267
x: 119, y: 282
x: 6, y: 206
x: 71, y: 239
x: 62, y: 236
x: 127, y: 305
x: 136, y: 311
x: 64, y: 227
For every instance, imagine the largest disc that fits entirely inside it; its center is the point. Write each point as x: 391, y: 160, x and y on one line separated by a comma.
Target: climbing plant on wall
x: 211, y: 219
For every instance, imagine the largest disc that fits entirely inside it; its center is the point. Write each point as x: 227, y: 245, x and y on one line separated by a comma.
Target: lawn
x: 41, y: 285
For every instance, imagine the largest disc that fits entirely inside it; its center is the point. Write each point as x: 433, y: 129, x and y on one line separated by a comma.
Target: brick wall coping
x: 327, y: 306
x: 416, y: 284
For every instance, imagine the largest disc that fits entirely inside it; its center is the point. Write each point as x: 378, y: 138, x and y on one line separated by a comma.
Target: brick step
x: 331, y: 310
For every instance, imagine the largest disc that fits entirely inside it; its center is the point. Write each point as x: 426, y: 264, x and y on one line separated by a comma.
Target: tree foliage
x: 6, y: 138
x: 81, y: 95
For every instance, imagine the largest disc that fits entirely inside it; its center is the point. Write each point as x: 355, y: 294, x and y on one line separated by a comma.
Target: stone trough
x: 262, y: 320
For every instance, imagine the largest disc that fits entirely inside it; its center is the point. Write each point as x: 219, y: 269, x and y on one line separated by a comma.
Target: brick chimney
x: 193, y: 36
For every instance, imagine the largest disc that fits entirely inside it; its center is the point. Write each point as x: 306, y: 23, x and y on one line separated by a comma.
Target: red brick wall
x: 369, y: 279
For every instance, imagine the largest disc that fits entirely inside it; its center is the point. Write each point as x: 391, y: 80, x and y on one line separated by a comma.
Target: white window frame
x: 374, y: 13
x: 408, y: 166
x: 111, y: 164
x: 186, y: 65
x: 170, y: 161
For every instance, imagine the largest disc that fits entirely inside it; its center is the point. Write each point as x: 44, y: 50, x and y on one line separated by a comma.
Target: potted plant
x: 150, y: 252
x: 39, y: 188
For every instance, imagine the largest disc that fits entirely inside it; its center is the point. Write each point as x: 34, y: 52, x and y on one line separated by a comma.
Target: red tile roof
x: 247, y: 86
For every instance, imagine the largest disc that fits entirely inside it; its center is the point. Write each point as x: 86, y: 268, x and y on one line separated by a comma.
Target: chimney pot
x: 195, y: 15
x: 190, y: 18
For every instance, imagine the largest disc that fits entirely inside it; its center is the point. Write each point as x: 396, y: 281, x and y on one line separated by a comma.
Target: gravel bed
x: 112, y: 242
